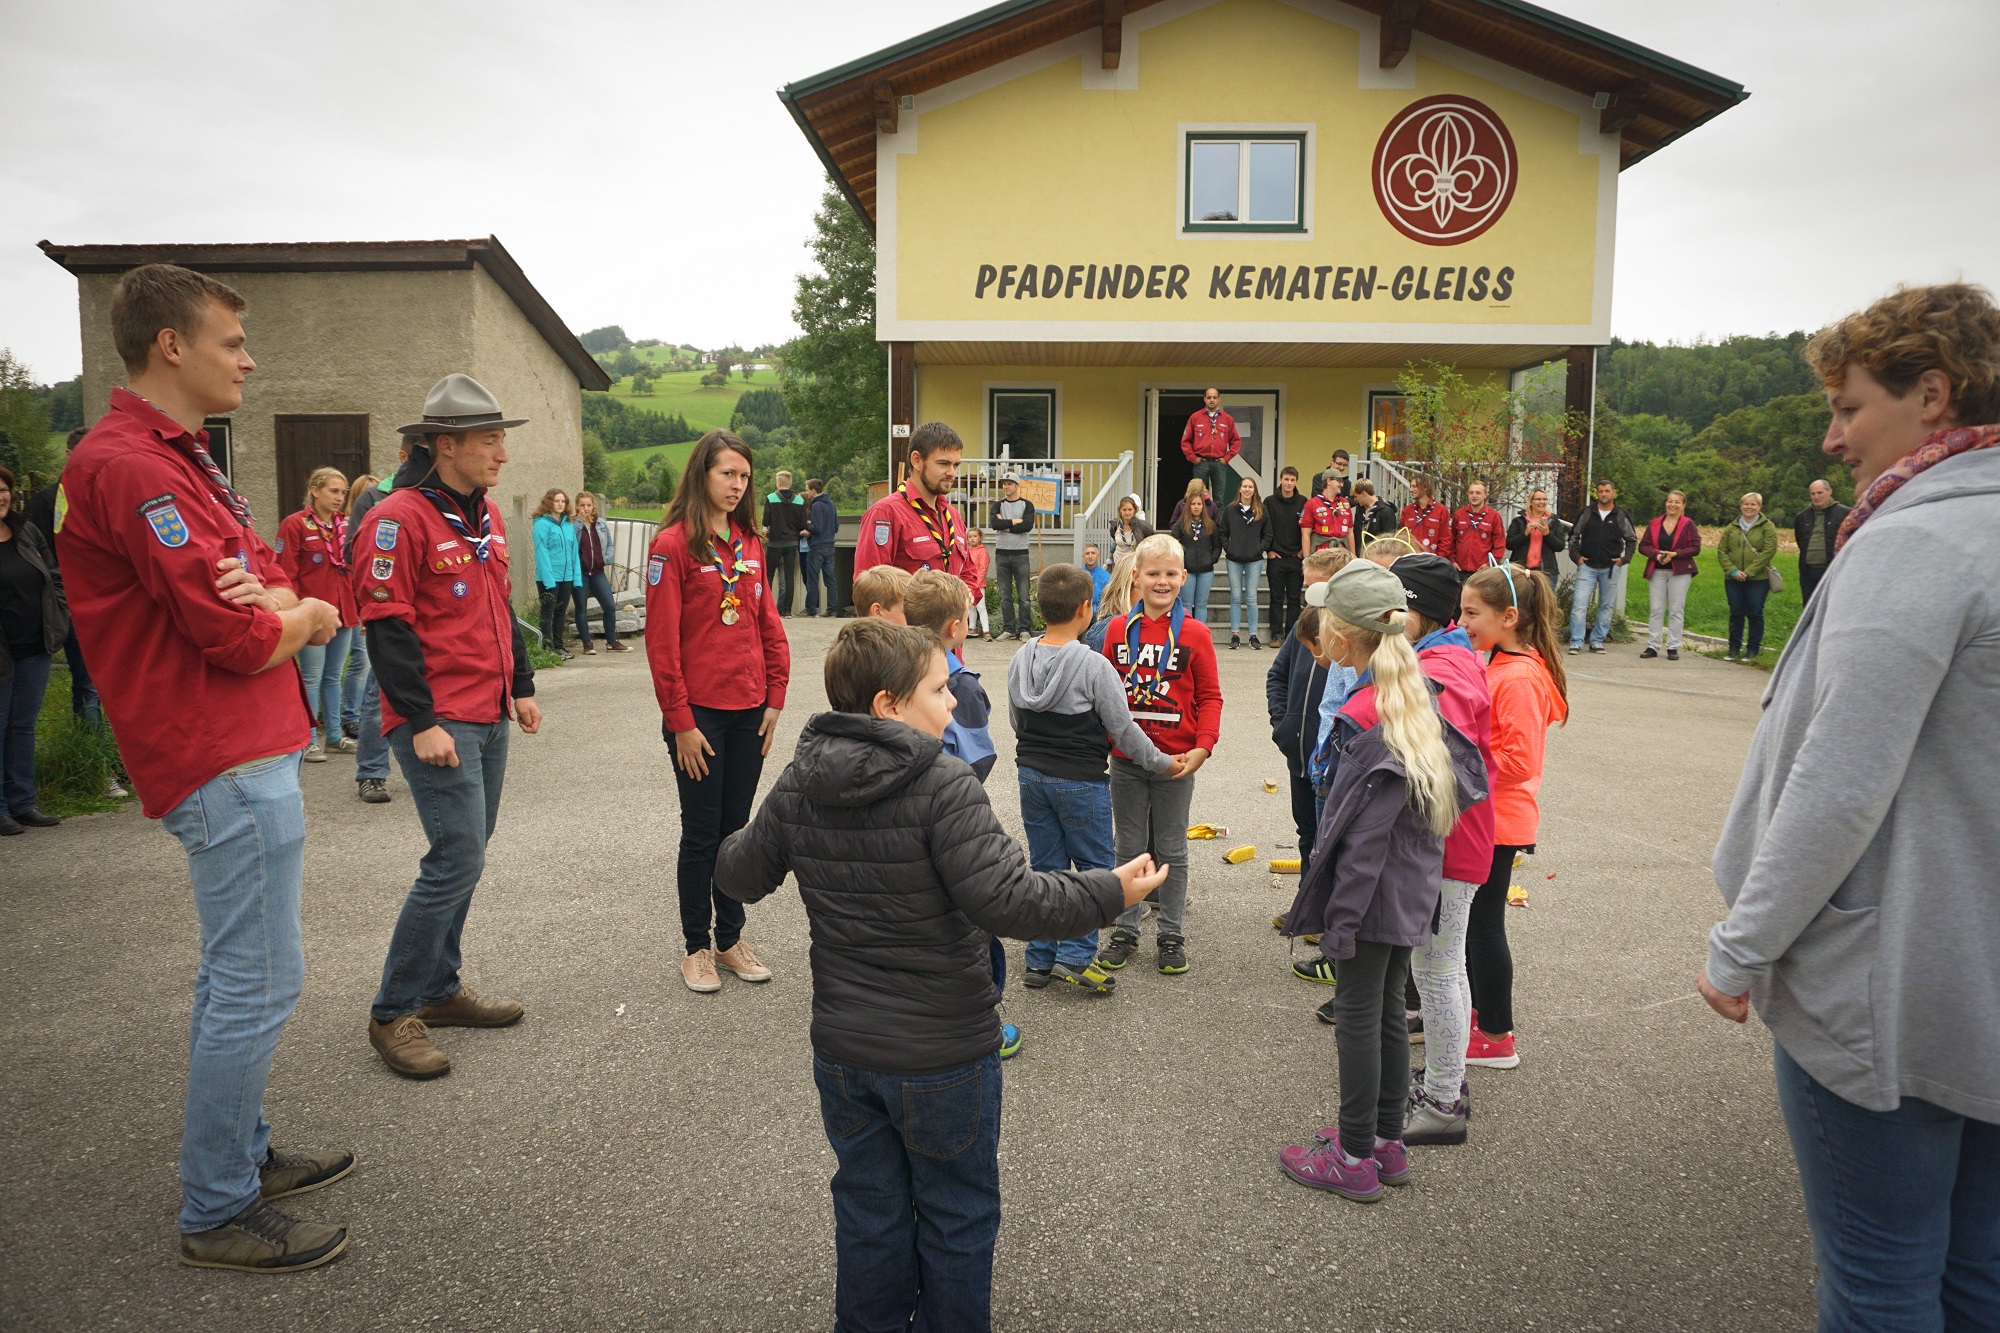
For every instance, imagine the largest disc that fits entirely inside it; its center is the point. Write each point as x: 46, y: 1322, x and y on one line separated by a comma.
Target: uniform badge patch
x: 319, y: 557
x: 166, y: 521
x: 279, y: 549
x: 385, y: 534
x: 459, y: 587
x: 882, y: 532
x: 656, y: 565
x: 62, y: 506
x: 382, y: 566
x: 379, y: 593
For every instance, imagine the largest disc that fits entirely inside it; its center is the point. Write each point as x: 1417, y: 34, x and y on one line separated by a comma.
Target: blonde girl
x: 312, y: 552
x: 977, y: 626
x: 1114, y: 601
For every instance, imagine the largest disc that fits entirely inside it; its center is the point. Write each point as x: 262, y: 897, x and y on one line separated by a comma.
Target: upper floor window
x: 1244, y: 182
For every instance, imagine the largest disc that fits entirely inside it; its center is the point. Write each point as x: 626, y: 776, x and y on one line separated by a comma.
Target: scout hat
x: 1364, y: 595
x: 1431, y: 583
x: 460, y: 402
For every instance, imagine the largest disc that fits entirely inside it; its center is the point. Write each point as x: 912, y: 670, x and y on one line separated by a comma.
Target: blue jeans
x: 20, y: 705
x: 1069, y: 824
x: 320, y: 668
x: 1590, y: 577
x: 82, y: 692
x: 819, y: 569
x: 596, y: 585
x: 1244, y: 576
x: 458, y: 808
x: 1746, y: 607
x: 1194, y: 594
x: 371, y: 760
x: 1218, y: 476
x: 245, y: 835
x: 1904, y: 1207
x: 355, y: 683
x: 916, y: 1198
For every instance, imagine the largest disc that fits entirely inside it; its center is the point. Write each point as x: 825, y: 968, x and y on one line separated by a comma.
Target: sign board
x: 1041, y: 493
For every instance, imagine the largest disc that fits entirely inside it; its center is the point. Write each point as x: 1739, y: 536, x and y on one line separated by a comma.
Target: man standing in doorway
x: 1337, y: 469
x: 1815, y: 528
x: 1209, y: 442
x: 784, y: 524
x: 453, y: 665
x: 1601, y: 544
x: 196, y: 678
x: 1013, y: 521
x: 822, y: 529
x: 1479, y: 536
x: 1284, y: 562
x: 914, y: 526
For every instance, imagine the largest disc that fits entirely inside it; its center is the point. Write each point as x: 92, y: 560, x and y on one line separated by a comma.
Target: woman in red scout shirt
x: 709, y: 607
x: 312, y: 550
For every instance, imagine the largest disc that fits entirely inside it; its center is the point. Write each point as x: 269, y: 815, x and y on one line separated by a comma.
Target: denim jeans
x: 1069, y: 825
x: 782, y: 559
x: 371, y: 760
x: 320, y: 669
x: 596, y: 585
x: 819, y: 570
x: 1244, y: 576
x: 1218, y: 476
x: 458, y: 808
x: 1589, y: 577
x: 1904, y: 1207
x: 20, y: 705
x: 245, y: 835
x: 711, y: 810
x: 916, y: 1197
x: 1011, y: 573
x: 1149, y: 813
x: 82, y: 692
x: 1746, y: 608
x: 1194, y: 594
x: 355, y: 683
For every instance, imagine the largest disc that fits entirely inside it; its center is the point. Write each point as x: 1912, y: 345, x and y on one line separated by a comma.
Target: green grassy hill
x: 681, y: 391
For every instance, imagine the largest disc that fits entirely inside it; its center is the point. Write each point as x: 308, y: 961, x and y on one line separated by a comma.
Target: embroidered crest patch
x: 319, y: 558
x: 379, y: 593
x: 656, y: 565
x: 386, y: 533
x: 882, y: 532
x: 279, y: 549
x: 459, y: 587
x: 166, y: 521
x: 382, y: 566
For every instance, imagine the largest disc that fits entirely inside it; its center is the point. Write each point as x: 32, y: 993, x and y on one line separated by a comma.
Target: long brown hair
x: 691, y: 505
x: 1256, y: 501
x: 1182, y: 525
x: 367, y: 481
x: 1534, y: 598
x: 548, y: 504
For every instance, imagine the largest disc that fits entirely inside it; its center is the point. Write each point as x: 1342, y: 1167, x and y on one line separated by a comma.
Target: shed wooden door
x: 309, y: 442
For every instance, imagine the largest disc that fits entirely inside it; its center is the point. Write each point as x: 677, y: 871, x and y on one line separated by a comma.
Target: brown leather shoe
x: 738, y: 959
x: 405, y: 1046
x: 470, y: 1009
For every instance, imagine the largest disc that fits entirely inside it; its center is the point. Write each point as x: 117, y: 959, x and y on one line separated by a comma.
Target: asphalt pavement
x: 633, y: 1155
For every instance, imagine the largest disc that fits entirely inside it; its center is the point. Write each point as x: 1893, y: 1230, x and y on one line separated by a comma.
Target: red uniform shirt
x: 413, y: 566
x: 312, y: 555
x: 1430, y: 528
x: 910, y: 535
x: 745, y: 665
x: 1477, y: 534
x: 1205, y: 438
x: 1331, y: 521
x: 1174, y: 695
x: 179, y: 670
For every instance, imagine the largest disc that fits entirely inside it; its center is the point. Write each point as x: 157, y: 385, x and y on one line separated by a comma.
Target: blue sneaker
x: 1010, y: 1041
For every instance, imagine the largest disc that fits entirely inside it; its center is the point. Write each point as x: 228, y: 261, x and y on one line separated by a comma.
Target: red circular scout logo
x: 1444, y: 170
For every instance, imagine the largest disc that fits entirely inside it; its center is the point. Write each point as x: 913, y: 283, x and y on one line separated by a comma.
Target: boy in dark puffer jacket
x: 905, y: 871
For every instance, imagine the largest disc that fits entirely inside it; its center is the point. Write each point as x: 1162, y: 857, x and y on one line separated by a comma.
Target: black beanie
x: 1431, y: 583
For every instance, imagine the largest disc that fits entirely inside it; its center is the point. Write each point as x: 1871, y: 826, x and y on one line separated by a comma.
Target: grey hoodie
x: 1068, y: 708
x: 1861, y: 858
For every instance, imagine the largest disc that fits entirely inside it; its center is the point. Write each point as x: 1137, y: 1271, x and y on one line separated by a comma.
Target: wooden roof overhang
x: 1646, y: 98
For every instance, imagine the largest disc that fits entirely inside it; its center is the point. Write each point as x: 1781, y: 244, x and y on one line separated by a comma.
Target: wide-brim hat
x: 459, y: 402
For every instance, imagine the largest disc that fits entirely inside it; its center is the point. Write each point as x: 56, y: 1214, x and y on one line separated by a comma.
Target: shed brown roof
x: 351, y: 257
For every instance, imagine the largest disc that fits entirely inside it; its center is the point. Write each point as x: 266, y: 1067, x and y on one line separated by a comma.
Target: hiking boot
x: 738, y: 959
x: 1315, y: 969
x: 405, y: 1046
x: 1278, y: 922
x: 1171, y: 952
x: 1491, y: 1052
x: 288, y: 1173
x: 1649, y: 653
x: 1037, y: 978
x: 375, y: 791
x: 1392, y: 1162
x: 1119, y: 952
x: 1432, y: 1122
x: 1010, y: 1041
x: 315, y: 753
x: 1324, y: 1166
x: 260, y: 1239
x: 1089, y: 976
x: 698, y: 972
x: 470, y: 1009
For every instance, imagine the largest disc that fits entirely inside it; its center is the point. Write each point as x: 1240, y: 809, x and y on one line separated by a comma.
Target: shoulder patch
x: 386, y: 532
x: 165, y: 519
x: 278, y: 547
x: 382, y: 566
x: 881, y: 532
x: 62, y: 506
x: 656, y: 565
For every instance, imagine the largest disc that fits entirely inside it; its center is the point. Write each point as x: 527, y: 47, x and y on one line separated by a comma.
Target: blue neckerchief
x: 1446, y: 637
x: 1146, y: 692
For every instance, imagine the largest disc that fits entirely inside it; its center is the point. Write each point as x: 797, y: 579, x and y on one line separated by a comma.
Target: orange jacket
x: 1525, y: 705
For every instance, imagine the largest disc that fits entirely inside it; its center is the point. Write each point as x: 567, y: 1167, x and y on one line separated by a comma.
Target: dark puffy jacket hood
x: 852, y: 759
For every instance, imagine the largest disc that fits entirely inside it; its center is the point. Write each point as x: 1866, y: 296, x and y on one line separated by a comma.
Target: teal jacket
x: 555, y: 552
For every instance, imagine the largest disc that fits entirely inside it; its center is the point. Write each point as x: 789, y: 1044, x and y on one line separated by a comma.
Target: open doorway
x: 1168, y: 410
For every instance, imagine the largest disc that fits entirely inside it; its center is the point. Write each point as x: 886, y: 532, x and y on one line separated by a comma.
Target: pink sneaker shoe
x: 1323, y: 1166
x: 1492, y: 1052
x: 1392, y: 1163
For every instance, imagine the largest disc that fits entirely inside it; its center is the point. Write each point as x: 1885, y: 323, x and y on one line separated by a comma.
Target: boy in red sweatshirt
x: 1166, y: 661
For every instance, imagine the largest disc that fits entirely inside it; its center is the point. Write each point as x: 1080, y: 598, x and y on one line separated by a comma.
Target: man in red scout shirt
x: 914, y: 526
x: 195, y: 676
x: 430, y: 572
x: 1428, y: 519
x: 1479, y: 534
x: 1210, y: 441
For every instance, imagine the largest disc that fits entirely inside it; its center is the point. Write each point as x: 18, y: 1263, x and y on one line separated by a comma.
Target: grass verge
x: 75, y: 760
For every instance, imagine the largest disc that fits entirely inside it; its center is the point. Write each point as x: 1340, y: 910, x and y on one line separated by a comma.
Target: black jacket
x: 1199, y: 554
x: 784, y: 518
x: 1381, y: 520
x: 33, y: 546
x: 1293, y: 689
x: 1553, y: 541
x: 1602, y: 542
x: 1802, y: 526
x: 905, y: 871
x: 1284, y: 516
x: 1244, y: 539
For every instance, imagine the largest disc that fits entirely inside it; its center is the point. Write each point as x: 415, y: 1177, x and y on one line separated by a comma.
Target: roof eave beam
x: 1626, y: 105
x: 1399, y: 21
x: 887, y: 109
x: 1114, y: 32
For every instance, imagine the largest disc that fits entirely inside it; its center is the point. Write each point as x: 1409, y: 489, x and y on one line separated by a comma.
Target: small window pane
x: 1388, y: 434
x: 1023, y: 424
x: 1212, y: 181
x: 1274, y: 182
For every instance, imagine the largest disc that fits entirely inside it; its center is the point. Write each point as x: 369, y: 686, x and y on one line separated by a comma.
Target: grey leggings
x: 1373, y: 1037
x: 1149, y: 813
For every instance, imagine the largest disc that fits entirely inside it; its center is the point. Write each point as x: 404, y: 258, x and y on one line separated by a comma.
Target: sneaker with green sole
x: 1090, y: 977
x: 1319, y: 969
x: 1119, y: 951
x: 1010, y: 1041
x: 1172, y: 955
x: 260, y: 1239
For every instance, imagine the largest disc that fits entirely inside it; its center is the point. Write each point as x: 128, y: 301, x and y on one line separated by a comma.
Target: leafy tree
x: 1461, y: 430
x: 835, y: 377
x: 764, y: 408
x: 723, y: 364
x: 624, y: 427
x: 64, y: 404
x: 642, y: 385
x: 1695, y: 384
x: 610, y: 338
x: 596, y: 465
x: 625, y: 364
x: 644, y: 492
x: 715, y: 379
x: 24, y: 423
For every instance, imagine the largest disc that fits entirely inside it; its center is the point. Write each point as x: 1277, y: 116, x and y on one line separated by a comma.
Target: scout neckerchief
x: 455, y: 519
x: 729, y: 570
x: 335, y: 529
x: 946, y: 537
x: 1150, y: 691
x: 223, y: 490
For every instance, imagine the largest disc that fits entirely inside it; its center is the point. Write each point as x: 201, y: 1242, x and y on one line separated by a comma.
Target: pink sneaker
x: 1492, y: 1052
x: 1392, y: 1163
x: 1323, y: 1166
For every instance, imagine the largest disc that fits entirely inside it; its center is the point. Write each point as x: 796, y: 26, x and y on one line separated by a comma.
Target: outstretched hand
x: 1140, y: 876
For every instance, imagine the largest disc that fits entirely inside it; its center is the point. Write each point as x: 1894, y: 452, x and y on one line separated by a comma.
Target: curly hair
x: 1953, y: 327
x: 548, y: 504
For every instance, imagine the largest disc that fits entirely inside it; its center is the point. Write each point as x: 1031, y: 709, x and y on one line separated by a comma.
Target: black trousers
x: 783, y: 559
x: 711, y: 810
x: 1489, y: 964
x: 1373, y: 1038
x: 1287, y: 575
x: 1809, y: 577
x: 1302, y: 812
x: 556, y: 599
x: 1015, y: 612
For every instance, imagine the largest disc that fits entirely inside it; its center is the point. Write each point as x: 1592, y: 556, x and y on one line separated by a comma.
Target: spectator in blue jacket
x: 822, y: 528
x: 558, y: 568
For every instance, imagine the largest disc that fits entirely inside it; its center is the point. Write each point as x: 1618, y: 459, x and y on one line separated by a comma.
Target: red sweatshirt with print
x: 1176, y: 698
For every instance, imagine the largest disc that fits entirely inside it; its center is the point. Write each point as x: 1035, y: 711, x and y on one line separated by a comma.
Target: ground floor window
x: 1388, y: 429
x: 1021, y: 423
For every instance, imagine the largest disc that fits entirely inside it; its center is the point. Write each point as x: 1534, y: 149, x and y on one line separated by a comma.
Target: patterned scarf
x: 223, y: 490
x: 1934, y: 450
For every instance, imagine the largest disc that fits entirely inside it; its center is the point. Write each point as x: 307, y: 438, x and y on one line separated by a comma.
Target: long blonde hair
x: 1116, y: 599
x: 1408, y: 718
x: 320, y: 476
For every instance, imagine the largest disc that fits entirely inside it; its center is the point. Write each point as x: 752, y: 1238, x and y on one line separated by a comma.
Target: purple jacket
x: 1376, y: 864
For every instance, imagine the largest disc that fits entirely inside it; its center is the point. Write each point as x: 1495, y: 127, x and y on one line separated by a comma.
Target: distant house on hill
x: 349, y: 337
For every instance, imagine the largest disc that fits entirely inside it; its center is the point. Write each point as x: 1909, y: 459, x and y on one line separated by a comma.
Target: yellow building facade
x: 1088, y: 212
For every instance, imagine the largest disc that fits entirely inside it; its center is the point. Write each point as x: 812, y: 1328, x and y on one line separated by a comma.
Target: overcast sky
x: 633, y: 157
